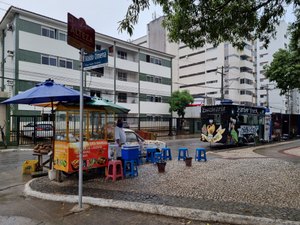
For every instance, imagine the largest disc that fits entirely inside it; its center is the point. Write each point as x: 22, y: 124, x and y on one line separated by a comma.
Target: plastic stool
x: 200, y: 154
x: 150, y: 154
x: 115, y: 170
x: 166, y: 152
x: 182, y: 153
x: 157, y: 157
x: 130, y: 168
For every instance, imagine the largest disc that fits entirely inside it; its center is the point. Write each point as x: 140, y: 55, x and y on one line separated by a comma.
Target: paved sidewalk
x: 233, y: 187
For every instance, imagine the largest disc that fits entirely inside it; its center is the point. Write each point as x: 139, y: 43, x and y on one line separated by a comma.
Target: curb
x: 187, y: 213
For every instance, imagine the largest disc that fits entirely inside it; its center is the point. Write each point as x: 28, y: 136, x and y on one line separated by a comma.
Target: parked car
x: 132, y: 138
x: 42, y: 129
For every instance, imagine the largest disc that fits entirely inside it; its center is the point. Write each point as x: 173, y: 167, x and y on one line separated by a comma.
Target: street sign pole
x: 81, y: 133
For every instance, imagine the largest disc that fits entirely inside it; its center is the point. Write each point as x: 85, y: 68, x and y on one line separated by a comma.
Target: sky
x: 102, y: 15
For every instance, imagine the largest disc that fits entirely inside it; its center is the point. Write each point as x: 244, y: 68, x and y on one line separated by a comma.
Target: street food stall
x: 98, y: 128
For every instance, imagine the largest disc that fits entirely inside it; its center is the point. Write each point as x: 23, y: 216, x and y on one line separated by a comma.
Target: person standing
x: 120, y: 136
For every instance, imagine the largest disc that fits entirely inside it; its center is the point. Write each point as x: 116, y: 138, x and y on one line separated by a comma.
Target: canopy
x: 107, y: 105
x: 44, y: 92
x: 95, y: 103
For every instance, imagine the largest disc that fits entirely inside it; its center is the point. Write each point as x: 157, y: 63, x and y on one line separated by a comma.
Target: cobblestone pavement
x: 235, y: 182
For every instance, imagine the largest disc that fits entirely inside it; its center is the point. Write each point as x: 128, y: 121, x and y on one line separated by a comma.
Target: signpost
x: 95, y: 60
x: 80, y: 36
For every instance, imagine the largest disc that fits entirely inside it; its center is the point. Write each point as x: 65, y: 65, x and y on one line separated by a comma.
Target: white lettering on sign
x: 244, y: 129
x: 213, y: 109
x: 247, y: 110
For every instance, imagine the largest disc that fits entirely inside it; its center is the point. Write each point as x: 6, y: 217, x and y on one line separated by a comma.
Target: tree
x: 179, y: 101
x: 198, y: 22
x: 285, y: 70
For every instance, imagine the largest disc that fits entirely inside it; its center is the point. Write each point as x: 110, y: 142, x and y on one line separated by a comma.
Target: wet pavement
x: 259, y: 182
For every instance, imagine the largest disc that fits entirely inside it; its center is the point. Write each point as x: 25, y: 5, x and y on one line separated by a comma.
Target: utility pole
x: 222, y: 82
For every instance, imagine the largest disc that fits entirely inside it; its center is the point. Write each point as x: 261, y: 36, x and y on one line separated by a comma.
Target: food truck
x: 98, y: 120
x: 233, y: 124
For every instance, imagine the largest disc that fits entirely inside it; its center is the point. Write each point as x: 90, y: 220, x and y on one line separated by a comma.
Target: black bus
x: 233, y: 124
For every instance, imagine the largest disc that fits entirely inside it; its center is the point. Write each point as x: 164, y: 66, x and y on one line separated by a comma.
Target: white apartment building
x: 267, y: 93
x: 201, y: 70
x: 34, y: 48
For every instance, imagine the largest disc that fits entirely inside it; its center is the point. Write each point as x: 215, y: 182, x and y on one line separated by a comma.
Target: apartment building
x: 34, y: 48
x: 201, y: 70
x: 209, y: 73
x: 267, y: 93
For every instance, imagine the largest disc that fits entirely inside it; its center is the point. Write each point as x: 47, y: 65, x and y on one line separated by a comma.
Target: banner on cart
x: 66, y: 155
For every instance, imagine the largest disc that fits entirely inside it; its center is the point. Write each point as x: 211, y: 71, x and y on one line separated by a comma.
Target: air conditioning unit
x: 210, y: 101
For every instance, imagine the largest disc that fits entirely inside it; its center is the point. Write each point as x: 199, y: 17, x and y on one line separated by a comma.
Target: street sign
x: 80, y: 35
x: 95, y: 60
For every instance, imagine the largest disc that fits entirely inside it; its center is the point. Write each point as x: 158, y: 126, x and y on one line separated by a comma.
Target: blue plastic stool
x: 157, y: 157
x: 200, y: 154
x: 166, y: 152
x: 150, y: 154
x: 182, y: 153
x: 130, y: 168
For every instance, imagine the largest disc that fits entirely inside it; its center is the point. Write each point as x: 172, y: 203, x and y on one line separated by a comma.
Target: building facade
x: 268, y: 94
x: 34, y: 48
x: 224, y: 72
x: 209, y: 73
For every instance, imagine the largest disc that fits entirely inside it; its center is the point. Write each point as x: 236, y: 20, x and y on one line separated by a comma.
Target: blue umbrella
x: 47, y: 91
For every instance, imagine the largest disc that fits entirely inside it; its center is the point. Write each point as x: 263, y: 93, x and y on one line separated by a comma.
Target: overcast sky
x: 102, y: 15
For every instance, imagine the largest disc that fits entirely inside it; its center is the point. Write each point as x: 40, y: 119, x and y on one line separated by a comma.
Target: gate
x: 30, y: 130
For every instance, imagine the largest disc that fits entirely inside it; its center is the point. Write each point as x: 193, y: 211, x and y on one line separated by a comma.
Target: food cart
x: 98, y: 131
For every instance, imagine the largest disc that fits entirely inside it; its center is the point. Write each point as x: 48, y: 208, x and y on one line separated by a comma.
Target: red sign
x: 80, y: 35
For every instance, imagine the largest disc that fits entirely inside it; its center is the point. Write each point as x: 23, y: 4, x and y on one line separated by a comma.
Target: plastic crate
x: 130, y: 152
x: 29, y: 166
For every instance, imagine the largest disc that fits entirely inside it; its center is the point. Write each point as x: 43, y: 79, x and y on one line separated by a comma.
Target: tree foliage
x: 285, y: 70
x: 179, y: 101
x: 198, y: 22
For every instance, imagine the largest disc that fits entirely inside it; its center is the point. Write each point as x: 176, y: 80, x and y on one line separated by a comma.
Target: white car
x: 43, y: 129
x: 133, y: 138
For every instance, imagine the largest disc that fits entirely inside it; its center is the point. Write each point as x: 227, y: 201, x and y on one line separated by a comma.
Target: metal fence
x: 29, y: 130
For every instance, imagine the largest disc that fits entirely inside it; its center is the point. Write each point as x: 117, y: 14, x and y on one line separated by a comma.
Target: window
x: 155, y: 60
x: 122, y: 97
x: 98, y: 47
x: 158, y: 80
x: 48, y: 32
x: 212, y: 81
x: 65, y: 63
x: 49, y: 60
x: 122, y: 76
x: 150, y: 98
x: 122, y: 55
x: 211, y: 93
x: 212, y: 59
x: 96, y: 93
x: 150, y: 78
x: 158, y: 99
x: 62, y: 36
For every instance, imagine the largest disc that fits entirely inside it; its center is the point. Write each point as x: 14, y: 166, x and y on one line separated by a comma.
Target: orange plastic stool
x: 114, y: 170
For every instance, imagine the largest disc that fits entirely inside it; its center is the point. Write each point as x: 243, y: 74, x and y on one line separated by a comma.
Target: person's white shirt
x: 120, y: 139
x: 120, y: 135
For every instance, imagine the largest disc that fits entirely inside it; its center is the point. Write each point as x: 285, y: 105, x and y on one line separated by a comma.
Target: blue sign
x: 95, y: 60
